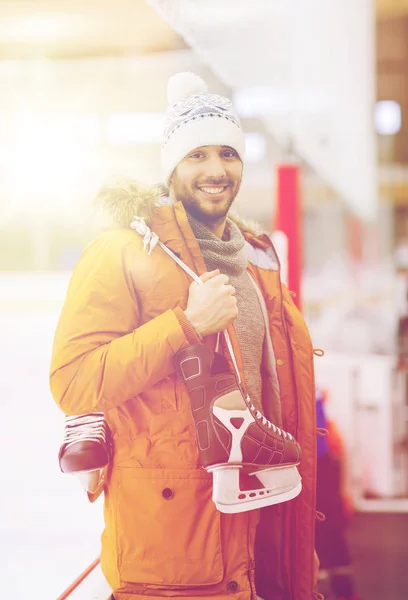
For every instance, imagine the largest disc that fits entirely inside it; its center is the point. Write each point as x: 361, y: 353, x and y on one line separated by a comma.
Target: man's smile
x: 213, y: 190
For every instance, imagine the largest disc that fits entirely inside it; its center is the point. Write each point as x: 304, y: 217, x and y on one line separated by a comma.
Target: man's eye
x: 230, y: 154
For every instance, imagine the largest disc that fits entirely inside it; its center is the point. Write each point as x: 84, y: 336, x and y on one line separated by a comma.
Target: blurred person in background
x: 332, y: 499
x: 129, y: 312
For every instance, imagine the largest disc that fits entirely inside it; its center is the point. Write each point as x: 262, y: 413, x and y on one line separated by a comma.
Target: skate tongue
x: 220, y: 364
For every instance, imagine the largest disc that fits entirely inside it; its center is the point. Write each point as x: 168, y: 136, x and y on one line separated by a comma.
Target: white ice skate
x: 86, y: 444
x: 85, y: 450
x: 254, y: 462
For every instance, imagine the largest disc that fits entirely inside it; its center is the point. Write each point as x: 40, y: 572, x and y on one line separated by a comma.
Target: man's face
x: 206, y: 181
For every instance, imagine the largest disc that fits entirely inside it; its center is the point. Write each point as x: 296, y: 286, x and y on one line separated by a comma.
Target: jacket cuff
x: 188, y: 329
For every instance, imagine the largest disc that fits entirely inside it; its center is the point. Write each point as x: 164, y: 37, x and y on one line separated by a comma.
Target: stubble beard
x: 195, y: 208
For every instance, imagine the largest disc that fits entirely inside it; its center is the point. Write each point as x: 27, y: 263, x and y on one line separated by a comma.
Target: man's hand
x: 212, y: 305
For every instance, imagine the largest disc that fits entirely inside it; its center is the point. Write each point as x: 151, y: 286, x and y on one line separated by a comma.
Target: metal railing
x: 78, y: 589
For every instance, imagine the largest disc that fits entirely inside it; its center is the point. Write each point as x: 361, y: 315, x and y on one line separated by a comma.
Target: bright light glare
x: 40, y: 171
x: 48, y: 154
x: 387, y: 117
x: 60, y: 130
x: 255, y: 147
x: 36, y: 27
x: 134, y: 128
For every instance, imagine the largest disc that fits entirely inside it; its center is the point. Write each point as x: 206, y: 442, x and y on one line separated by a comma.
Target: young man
x: 128, y: 315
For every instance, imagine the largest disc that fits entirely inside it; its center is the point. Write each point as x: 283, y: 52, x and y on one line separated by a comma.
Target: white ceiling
x: 391, y: 8
x: 75, y: 28
x: 315, y: 64
x: 313, y: 60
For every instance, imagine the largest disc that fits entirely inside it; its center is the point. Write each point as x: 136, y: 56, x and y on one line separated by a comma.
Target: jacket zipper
x: 251, y: 561
x: 294, y: 550
x: 293, y: 553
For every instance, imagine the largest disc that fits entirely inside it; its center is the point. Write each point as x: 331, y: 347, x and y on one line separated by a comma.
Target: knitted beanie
x: 196, y: 118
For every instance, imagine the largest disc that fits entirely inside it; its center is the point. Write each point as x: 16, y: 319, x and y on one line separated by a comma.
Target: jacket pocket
x: 168, y: 529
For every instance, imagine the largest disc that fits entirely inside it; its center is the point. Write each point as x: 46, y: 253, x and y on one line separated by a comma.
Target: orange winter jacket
x: 121, y: 324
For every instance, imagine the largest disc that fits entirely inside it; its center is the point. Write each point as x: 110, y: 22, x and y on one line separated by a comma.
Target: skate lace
x: 150, y: 241
x: 270, y: 425
x: 90, y: 428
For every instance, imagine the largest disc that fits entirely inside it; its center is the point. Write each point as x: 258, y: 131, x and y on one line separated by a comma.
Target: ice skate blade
x: 259, y: 502
x: 276, y: 485
x: 90, y: 480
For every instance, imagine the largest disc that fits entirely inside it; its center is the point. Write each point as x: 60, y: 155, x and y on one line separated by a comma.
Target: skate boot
x: 86, y: 445
x: 254, y: 462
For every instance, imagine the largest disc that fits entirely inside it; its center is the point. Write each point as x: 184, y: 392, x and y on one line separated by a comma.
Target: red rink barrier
x: 79, y: 580
x: 289, y: 220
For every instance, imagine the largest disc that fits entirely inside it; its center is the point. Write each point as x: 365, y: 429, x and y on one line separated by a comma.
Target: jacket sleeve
x: 102, y: 355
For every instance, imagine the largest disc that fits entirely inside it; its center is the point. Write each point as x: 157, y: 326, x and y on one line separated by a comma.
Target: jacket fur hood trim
x: 117, y: 204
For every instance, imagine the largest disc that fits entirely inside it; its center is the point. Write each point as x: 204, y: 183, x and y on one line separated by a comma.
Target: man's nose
x: 215, y: 168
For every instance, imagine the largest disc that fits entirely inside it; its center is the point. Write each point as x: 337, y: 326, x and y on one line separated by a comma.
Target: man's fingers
x: 209, y: 275
x: 220, y: 279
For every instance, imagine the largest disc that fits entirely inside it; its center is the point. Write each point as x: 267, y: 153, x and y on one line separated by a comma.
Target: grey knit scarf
x: 227, y: 255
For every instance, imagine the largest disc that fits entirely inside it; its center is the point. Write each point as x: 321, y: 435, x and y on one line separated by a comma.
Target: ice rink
x: 49, y: 532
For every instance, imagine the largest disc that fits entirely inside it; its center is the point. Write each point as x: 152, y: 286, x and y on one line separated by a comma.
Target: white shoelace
x: 91, y: 428
x: 265, y: 421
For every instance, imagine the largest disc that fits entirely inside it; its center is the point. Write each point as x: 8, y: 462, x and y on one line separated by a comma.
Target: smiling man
x: 128, y: 317
x: 207, y: 181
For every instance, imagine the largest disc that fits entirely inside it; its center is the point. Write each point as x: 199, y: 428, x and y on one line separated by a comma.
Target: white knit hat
x: 196, y: 118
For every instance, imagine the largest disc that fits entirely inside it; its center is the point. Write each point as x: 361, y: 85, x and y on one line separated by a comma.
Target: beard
x: 200, y: 204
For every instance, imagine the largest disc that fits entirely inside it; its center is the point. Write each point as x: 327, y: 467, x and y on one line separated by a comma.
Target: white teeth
x: 212, y: 190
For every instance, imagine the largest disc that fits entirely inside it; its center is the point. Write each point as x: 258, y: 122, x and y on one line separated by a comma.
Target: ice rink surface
x: 49, y: 532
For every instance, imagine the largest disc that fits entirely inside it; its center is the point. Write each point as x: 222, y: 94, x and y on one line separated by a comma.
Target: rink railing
x: 89, y: 585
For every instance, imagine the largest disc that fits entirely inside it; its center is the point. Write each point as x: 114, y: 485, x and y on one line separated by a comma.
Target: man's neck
x: 217, y: 228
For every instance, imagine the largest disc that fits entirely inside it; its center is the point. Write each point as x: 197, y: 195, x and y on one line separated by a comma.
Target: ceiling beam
x: 391, y: 8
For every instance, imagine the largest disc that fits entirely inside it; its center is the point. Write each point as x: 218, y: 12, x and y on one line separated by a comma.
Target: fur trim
x: 118, y: 202
x: 246, y: 225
